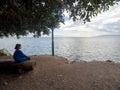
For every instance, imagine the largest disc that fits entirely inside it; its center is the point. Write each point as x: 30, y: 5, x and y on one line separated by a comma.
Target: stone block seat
x: 19, y: 67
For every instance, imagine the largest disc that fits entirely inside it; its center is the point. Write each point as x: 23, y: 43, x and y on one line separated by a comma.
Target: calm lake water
x: 87, y: 49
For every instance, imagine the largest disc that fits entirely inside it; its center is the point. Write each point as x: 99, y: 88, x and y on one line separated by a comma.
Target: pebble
x: 5, y: 83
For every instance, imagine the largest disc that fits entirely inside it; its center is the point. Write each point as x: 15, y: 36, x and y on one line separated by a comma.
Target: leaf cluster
x: 86, y: 9
x: 21, y: 17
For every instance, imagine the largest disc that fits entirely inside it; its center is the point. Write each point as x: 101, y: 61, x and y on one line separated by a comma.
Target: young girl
x: 19, y: 56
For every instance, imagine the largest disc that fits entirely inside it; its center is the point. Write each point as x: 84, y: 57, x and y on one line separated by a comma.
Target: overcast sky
x: 106, y: 23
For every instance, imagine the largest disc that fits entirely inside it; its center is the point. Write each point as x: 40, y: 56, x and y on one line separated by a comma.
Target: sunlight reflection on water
x: 86, y: 49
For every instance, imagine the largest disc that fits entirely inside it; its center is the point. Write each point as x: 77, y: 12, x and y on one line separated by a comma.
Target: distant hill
x: 108, y: 36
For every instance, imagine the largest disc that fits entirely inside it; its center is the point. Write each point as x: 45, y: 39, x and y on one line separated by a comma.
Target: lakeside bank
x: 54, y: 73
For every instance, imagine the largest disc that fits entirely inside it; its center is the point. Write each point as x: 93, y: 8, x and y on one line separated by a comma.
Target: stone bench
x: 19, y: 67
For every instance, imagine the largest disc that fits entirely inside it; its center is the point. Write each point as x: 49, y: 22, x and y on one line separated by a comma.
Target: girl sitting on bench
x: 18, y: 55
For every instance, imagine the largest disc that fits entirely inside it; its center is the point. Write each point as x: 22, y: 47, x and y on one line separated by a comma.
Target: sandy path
x: 54, y: 73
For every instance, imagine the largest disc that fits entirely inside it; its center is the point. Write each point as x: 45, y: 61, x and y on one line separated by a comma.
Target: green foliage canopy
x: 20, y: 17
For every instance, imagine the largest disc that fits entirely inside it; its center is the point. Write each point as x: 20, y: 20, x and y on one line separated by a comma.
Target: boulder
x: 108, y: 61
x: 4, y: 52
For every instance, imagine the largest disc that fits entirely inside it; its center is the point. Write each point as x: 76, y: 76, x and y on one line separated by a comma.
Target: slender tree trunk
x: 52, y: 42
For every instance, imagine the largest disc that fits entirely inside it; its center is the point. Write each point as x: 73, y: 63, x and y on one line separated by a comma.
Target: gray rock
x: 4, y: 52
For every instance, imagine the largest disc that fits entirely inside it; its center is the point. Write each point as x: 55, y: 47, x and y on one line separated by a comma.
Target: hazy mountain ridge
x: 108, y: 36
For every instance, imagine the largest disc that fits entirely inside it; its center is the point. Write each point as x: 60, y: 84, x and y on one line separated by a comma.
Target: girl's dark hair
x: 17, y: 46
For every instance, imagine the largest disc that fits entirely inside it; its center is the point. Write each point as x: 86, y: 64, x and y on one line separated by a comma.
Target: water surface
x: 73, y: 48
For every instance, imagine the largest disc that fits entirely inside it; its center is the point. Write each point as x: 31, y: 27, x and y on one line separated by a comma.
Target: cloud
x: 106, y: 23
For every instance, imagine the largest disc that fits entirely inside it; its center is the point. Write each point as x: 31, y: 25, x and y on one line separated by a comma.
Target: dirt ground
x: 54, y: 73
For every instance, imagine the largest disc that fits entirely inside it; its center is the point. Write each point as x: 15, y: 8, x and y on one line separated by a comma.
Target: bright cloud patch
x: 106, y: 23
